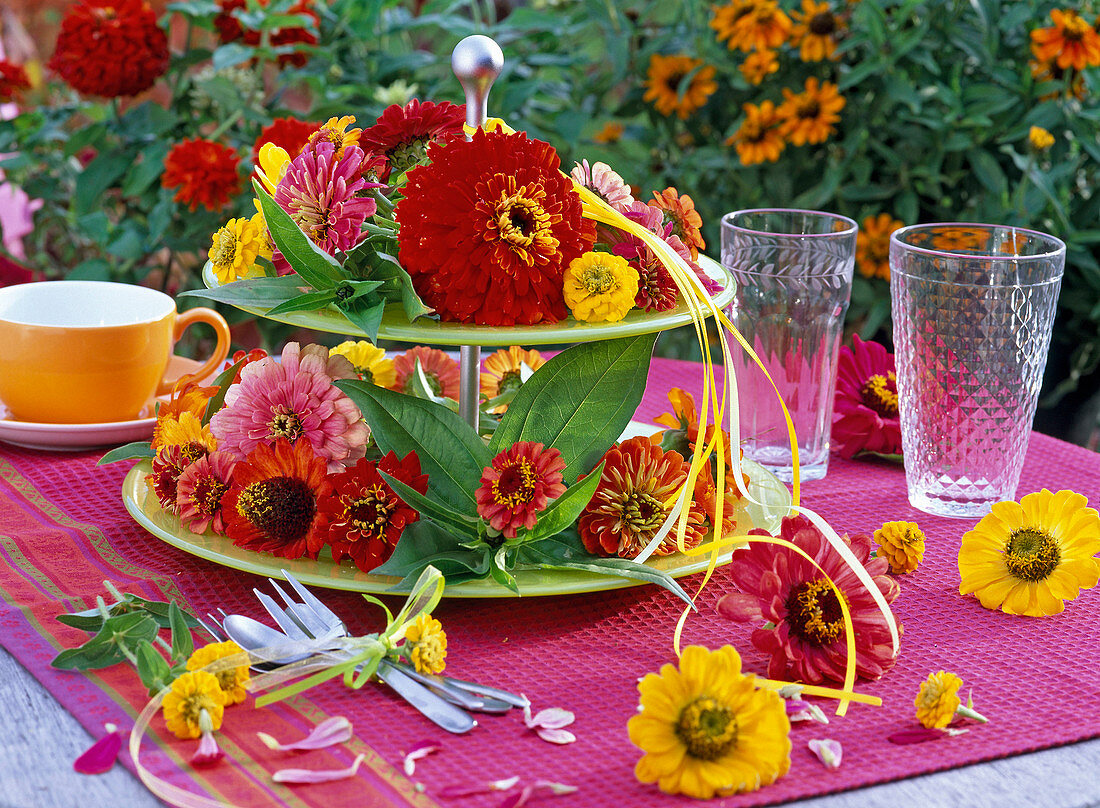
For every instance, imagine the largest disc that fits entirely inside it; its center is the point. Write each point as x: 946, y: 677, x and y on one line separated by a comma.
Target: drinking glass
x: 793, y: 276
x: 973, y: 306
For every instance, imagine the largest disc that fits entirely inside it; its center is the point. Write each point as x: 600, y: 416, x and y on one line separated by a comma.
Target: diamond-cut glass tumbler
x: 973, y: 307
x: 793, y: 271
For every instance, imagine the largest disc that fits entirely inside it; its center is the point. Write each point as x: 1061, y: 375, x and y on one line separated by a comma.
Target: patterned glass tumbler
x: 793, y: 271
x: 973, y: 306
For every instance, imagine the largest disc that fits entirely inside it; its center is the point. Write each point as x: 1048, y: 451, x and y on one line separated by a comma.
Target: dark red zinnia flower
x: 402, y: 133
x: 168, y: 465
x: 110, y: 48
x: 488, y: 228
x: 805, y: 637
x: 363, y: 517
x: 865, y: 408
x: 204, y: 172
x: 272, y: 506
x: 289, y: 134
x: 13, y: 82
x: 518, y: 486
x: 230, y: 30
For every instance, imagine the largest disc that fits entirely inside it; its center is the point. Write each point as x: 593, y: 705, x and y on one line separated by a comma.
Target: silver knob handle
x: 477, y: 61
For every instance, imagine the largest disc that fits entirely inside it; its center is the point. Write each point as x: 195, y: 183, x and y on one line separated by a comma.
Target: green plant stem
x: 160, y: 641
x: 384, y: 205
x: 186, y: 49
x: 228, y: 122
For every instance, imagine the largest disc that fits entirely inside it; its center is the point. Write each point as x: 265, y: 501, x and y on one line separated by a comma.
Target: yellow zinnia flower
x: 231, y: 680
x: 1028, y: 557
x: 1040, y: 138
x: 369, y: 362
x: 938, y: 699
x: 707, y: 730
x: 336, y: 132
x: 902, y: 544
x: 191, y: 693
x: 663, y: 80
x: 600, y: 287
x: 272, y: 165
x: 426, y: 644
x: 503, y: 371
x: 183, y: 430
x: 234, y: 249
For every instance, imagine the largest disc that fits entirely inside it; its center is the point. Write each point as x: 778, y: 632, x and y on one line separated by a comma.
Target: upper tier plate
x: 396, y: 327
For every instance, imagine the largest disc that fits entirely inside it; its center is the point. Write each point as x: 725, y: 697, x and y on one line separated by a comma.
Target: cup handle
x: 221, y: 350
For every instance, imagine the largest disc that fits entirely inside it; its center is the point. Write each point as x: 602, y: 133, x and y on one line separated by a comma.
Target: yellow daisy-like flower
x: 757, y: 139
x: 336, y: 132
x: 750, y: 25
x: 191, y: 693
x: 706, y: 730
x: 816, y: 32
x: 938, y: 699
x: 873, y: 245
x: 809, y: 116
x: 758, y: 65
x: 231, y: 680
x: 1028, y: 557
x: 426, y: 644
x: 902, y: 544
x: 503, y: 371
x: 234, y: 249
x: 369, y: 361
x: 663, y: 80
x: 273, y: 163
x: 600, y: 287
x: 183, y: 430
x: 1039, y: 138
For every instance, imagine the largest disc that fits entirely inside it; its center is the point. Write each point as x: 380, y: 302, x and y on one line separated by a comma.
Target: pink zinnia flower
x: 807, y: 638
x: 200, y: 489
x: 865, y: 409
x: 295, y: 399
x: 605, y: 183
x: 518, y: 486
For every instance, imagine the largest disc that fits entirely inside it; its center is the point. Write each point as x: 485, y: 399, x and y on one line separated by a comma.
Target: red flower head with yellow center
x: 363, y: 517
x: 488, y: 228
x: 865, y: 409
x: 203, y: 172
x: 110, y: 48
x: 272, y: 506
x: 168, y: 466
x: 518, y: 486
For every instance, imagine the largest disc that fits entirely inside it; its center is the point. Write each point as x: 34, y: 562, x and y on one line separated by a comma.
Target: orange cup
x: 86, y: 352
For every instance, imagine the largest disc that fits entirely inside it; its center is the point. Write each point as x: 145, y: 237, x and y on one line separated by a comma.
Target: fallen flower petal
x: 922, y: 734
x: 551, y: 718
x: 451, y: 792
x: 828, y: 751
x: 208, y: 752
x: 102, y: 754
x: 518, y: 798
x: 561, y: 736
x: 420, y: 750
x: 317, y: 776
x: 798, y: 710
x: 555, y: 788
x: 329, y: 732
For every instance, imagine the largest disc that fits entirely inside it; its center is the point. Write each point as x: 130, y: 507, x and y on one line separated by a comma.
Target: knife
x: 435, y: 709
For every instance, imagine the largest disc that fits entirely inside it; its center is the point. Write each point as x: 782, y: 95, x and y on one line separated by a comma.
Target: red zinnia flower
x: 110, y: 48
x: 200, y: 490
x: 168, y: 466
x: 363, y: 517
x: 289, y: 134
x: 272, y: 505
x: 807, y: 641
x: 13, y: 82
x: 205, y: 173
x: 402, y: 133
x: 488, y: 228
x: 230, y: 30
x: 518, y: 486
x: 440, y: 370
x: 628, y: 508
x: 865, y: 409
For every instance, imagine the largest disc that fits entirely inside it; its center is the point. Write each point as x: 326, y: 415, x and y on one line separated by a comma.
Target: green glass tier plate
x: 396, y: 327
x: 326, y: 573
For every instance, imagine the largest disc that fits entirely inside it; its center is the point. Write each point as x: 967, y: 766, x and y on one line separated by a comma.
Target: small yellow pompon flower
x: 706, y: 729
x: 369, y: 361
x: 1028, y: 557
x: 600, y: 287
x: 231, y: 680
x: 902, y: 544
x: 938, y: 701
x: 1040, y: 138
x: 191, y: 693
x: 426, y: 644
x: 234, y: 249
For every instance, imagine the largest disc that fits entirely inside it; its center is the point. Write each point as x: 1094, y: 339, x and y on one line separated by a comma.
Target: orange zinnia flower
x: 816, y: 32
x: 503, y: 372
x: 663, y: 80
x: 440, y: 370
x: 751, y: 25
x: 758, y: 65
x: 679, y: 211
x: 612, y: 132
x: 1070, y: 42
x: 873, y: 245
x: 1073, y: 81
x: 808, y: 117
x: 758, y: 139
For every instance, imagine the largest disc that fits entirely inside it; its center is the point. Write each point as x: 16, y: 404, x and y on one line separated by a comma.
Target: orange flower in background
x: 958, y: 239
x: 612, y: 132
x: 679, y: 210
x: 204, y: 172
x: 1070, y: 42
x: 759, y: 65
x: 440, y: 370
x: 110, y: 48
x: 750, y: 25
x: 289, y: 134
x: 664, y: 79
x: 336, y: 132
x: 191, y: 398
x: 873, y: 245
x: 13, y: 82
x: 816, y: 32
x: 809, y: 116
x: 230, y: 30
x: 503, y: 371
x: 1039, y: 138
x: 757, y: 140
x: 1047, y: 71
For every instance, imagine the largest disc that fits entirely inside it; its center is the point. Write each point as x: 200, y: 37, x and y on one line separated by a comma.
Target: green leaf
x: 423, y: 540
x: 389, y: 269
x: 307, y: 302
x: 182, y: 642
x: 260, y: 293
x: 231, y: 55
x: 501, y: 575
x: 223, y: 383
x: 579, y: 402
x: 146, y: 170
x: 151, y: 667
x: 429, y: 508
x: 103, y: 650
x: 314, y: 265
x: 98, y: 176
x: 130, y: 451
x: 195, y: 8
x: 365, y: 313
x: 450, y: 452
x: 567, y: 508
